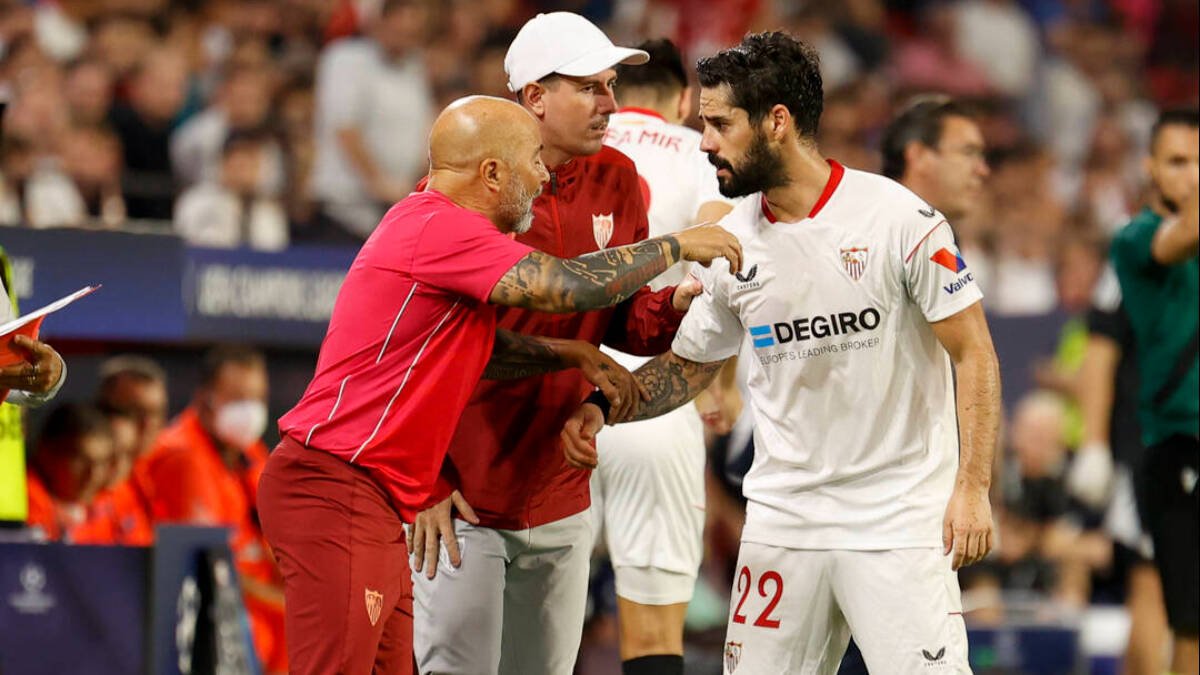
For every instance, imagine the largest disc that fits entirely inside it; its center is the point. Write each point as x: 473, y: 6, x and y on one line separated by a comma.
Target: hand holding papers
x: 26, y: 363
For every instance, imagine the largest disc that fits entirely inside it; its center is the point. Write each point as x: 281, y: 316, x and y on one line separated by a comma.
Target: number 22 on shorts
x: 770, y: 585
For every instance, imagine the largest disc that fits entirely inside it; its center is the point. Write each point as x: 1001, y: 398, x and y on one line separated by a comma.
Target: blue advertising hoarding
x: 157, y: 289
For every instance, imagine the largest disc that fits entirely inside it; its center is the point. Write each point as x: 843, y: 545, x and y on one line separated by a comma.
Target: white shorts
x: 648, y: 493
x: 793, y: 611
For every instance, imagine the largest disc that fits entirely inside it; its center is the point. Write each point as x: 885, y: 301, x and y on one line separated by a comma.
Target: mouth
x: 721, y: 164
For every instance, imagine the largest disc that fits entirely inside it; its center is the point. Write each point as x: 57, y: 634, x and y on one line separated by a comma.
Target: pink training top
x: 409, y: 337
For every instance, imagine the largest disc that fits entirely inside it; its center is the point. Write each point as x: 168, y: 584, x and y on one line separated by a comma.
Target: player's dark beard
x: 761, y: 170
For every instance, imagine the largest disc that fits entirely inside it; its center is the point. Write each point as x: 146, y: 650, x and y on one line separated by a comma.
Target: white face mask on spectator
x: 240, y: 423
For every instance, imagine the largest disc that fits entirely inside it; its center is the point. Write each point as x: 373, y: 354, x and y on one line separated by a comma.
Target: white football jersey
x: 676, y: 177
x: 856, y: 441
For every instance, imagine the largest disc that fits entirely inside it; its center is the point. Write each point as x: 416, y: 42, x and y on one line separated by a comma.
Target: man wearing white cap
x: 507, y: 594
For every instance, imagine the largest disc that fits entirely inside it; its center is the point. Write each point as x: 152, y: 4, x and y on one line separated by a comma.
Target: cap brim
x: 599, y: 61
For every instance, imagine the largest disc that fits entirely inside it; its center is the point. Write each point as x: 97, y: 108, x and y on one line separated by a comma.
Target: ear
x: 916, y: 155
x: 533, y: 94
x: 491, y: 173
x: 684, y: 105
x: 779, y: 120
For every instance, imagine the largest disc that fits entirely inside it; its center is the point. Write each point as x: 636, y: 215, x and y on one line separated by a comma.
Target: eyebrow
x: 587, y: 81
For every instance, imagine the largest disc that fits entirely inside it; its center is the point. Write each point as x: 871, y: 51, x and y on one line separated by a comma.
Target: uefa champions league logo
x: 32, y: 598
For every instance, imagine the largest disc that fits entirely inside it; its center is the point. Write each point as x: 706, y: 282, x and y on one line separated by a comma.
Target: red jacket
x: 505, y: 456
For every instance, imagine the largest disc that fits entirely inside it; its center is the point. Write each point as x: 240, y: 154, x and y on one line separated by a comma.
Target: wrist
x: 569, y: 352
x: 672, y: 249
x: 598, y: 399
x: 974, y: 486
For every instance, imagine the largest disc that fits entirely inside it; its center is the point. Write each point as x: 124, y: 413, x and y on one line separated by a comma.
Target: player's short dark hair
x: 664, y: 72
x: 765, y: 70
x: 218, y: 357
x: 1174, y: 117
x: 923, y: 121
x: 69, y: 422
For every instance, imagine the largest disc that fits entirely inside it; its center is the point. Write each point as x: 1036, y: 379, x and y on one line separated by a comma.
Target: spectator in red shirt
x: 204, y: 470
x: 73, y: 460
x: 412, y: 331
x: 521, y: 590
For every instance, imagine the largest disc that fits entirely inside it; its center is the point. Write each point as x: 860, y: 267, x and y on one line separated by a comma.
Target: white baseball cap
x: 563, y: 43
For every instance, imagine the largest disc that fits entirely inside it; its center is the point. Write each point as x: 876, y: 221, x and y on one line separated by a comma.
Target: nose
x: 707, y: 142
x: 982, y: 169
x: 543, y: 173
x: 606, y: 100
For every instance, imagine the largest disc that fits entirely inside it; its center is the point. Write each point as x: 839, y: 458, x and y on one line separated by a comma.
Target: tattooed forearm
x: 672, y: 381
x: 601, y: 279
x: 515, y: 355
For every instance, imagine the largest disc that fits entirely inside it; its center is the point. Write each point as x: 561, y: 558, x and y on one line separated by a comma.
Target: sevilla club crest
x: 733, y: 655
x: 602, y: 228
x: 374, y: 605
x: 855, y: 261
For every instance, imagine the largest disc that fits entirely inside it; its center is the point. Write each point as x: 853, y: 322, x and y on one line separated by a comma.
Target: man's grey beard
x: 522, y: 226
x: 518, y: 211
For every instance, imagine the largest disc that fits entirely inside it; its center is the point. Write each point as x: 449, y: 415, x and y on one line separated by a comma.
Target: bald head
x: 485, y: 154
x: 474, y: 129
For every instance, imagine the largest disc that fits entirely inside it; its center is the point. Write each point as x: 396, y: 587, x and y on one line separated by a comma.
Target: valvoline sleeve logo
x: 949, y: 259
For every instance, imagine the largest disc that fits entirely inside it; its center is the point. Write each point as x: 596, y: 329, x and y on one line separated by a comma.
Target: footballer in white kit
x: 856, y: 301
x: 649, y: 492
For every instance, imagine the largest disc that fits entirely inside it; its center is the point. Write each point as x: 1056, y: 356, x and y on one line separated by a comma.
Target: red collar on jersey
x: 642, y: 111
x: 836, y: 171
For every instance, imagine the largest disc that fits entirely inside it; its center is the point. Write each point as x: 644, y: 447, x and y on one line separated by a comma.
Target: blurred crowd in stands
x: 264, y: 123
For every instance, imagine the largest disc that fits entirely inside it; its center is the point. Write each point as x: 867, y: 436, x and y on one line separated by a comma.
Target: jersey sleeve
x: 1131, y: 248
x: 936, y: 277
x: 710, y: 330
x: 465, y: 255
x: 1110, y: 323
x: 645, y: 324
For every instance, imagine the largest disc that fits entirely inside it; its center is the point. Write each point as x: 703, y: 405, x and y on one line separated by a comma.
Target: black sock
x: 658, y: 664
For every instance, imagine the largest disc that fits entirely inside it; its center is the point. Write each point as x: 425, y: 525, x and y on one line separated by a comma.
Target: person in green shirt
x: 1155, y: 257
